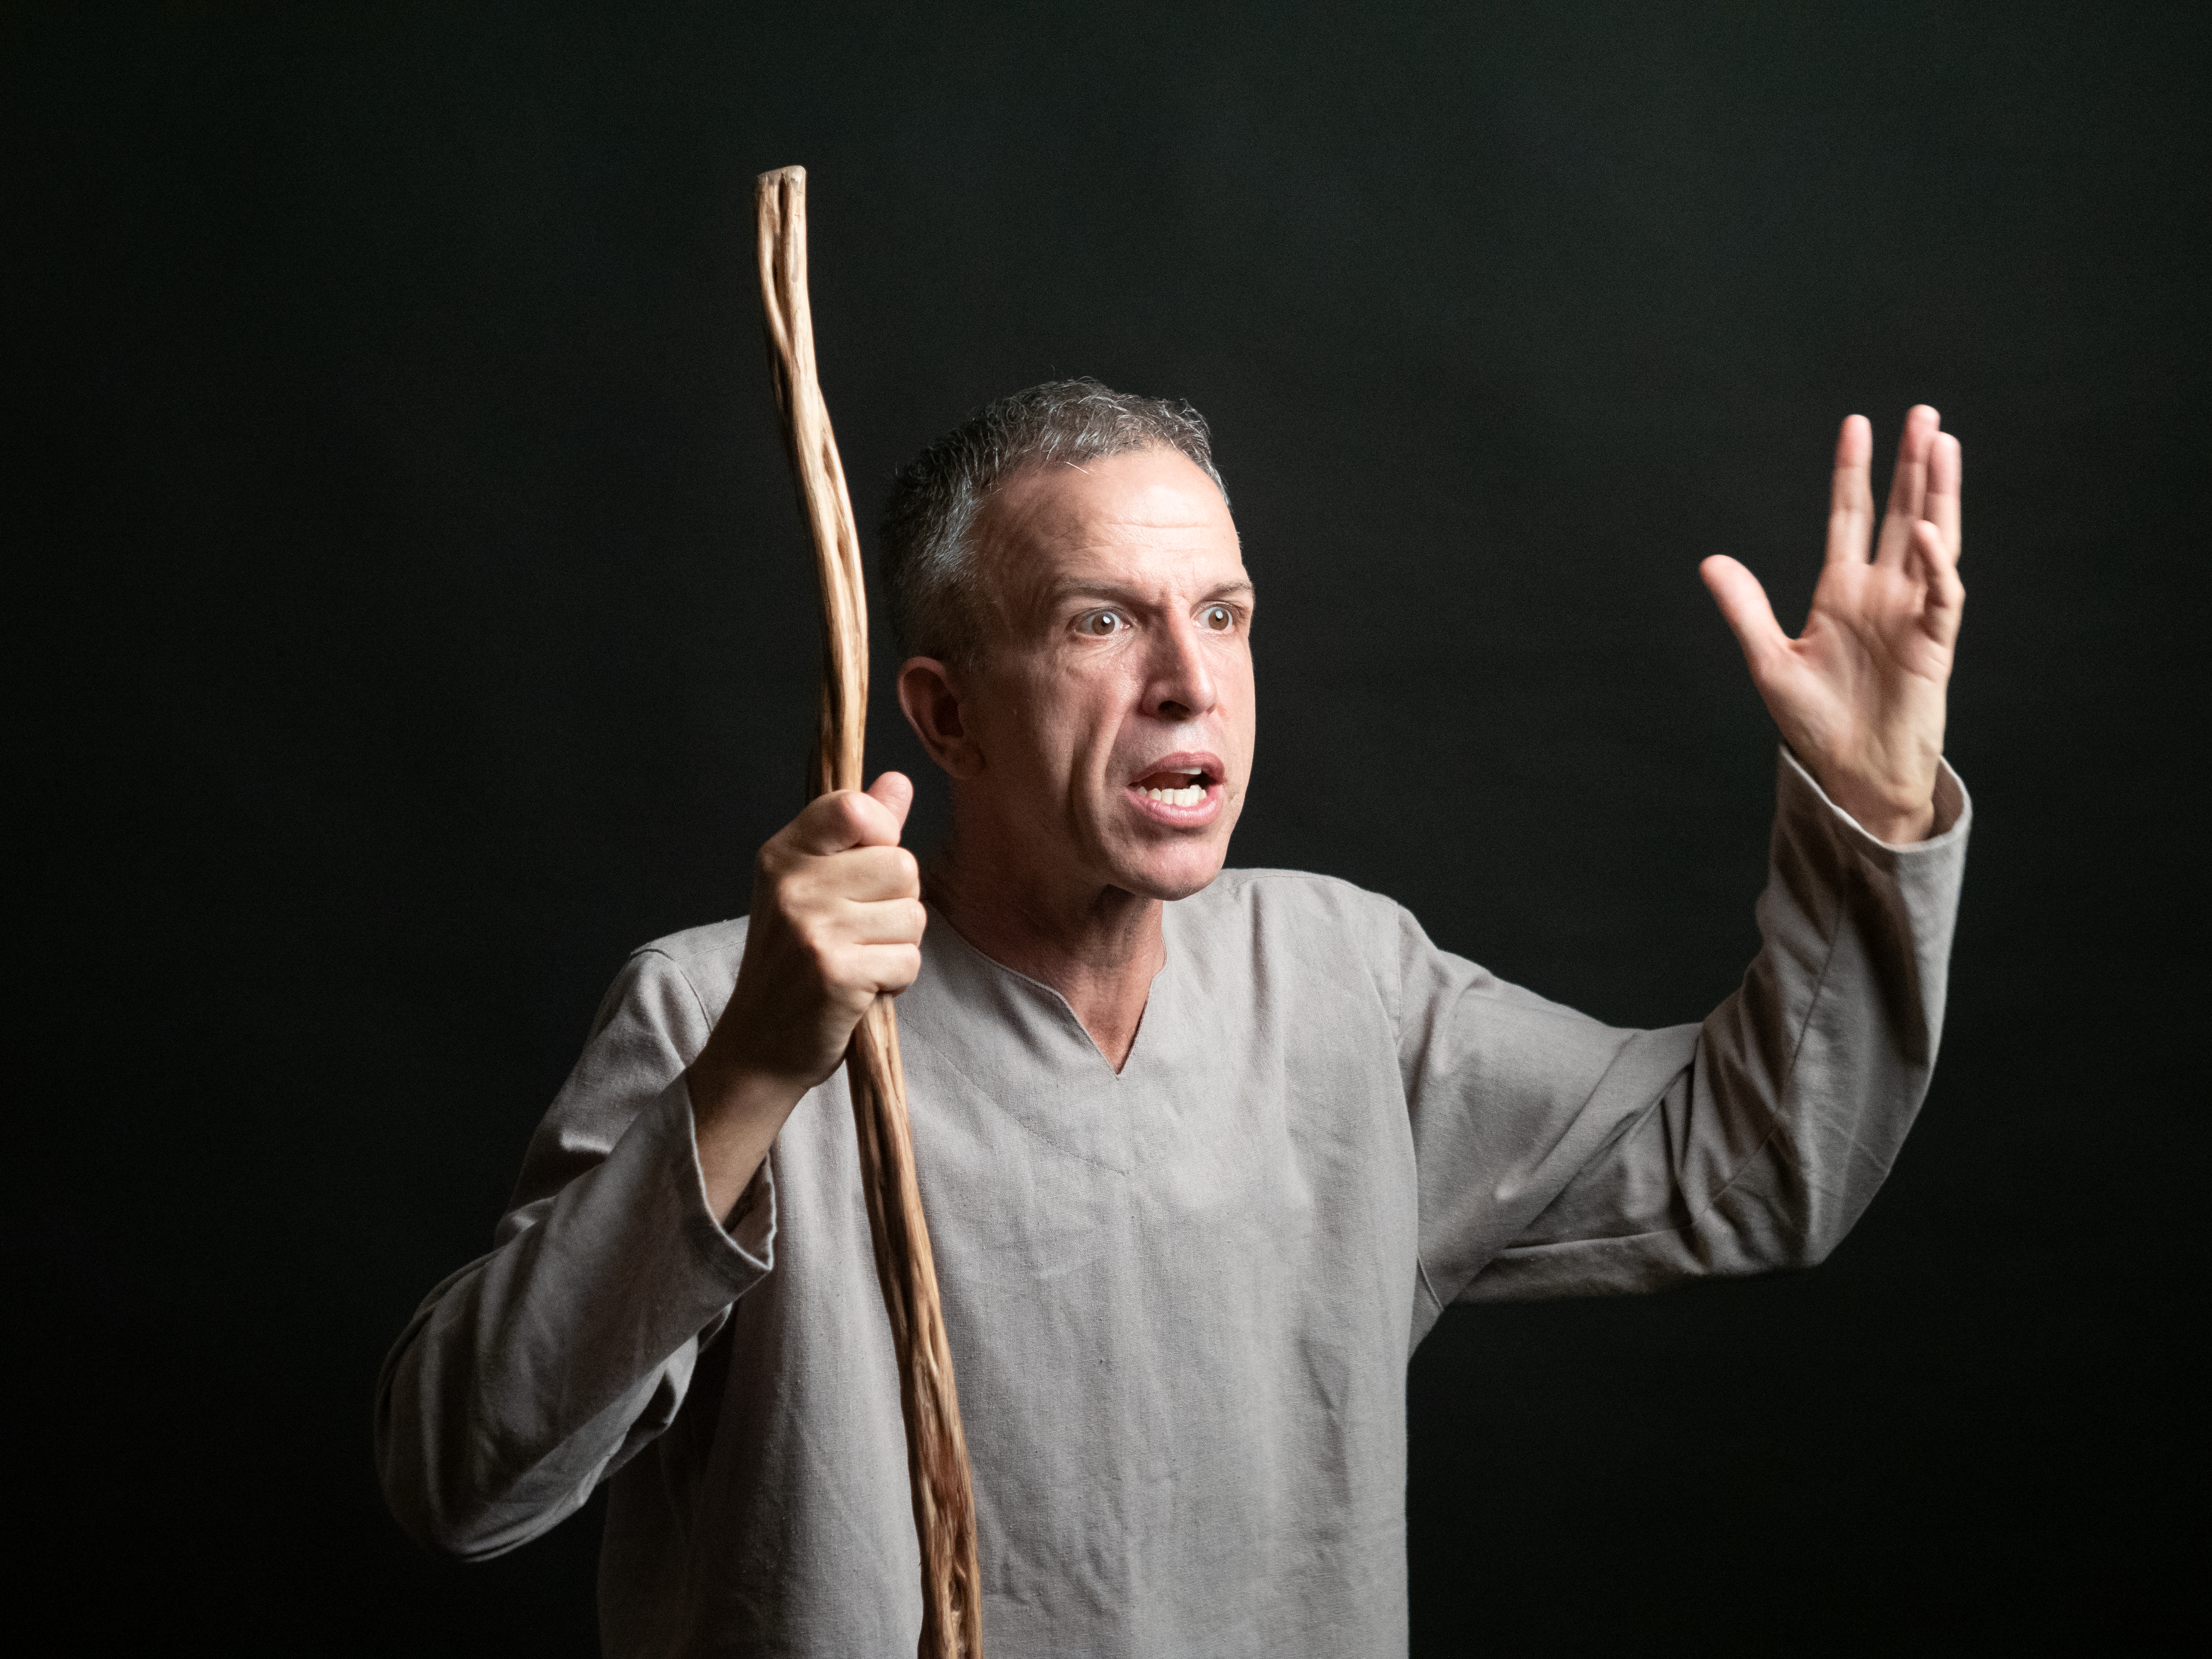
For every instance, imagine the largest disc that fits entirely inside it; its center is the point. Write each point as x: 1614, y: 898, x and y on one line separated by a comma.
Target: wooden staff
x: 936, y: 1449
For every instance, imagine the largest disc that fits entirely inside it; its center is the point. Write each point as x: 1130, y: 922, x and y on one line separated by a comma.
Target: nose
x: 1182, y: 685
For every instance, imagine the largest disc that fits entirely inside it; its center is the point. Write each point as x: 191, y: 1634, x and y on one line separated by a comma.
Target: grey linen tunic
x: 1181, y: 1300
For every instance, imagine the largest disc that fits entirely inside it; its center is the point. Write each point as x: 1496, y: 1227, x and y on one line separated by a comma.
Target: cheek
x: 1242, y: 700
x: 1055, y: 721
x: 1079, y: 714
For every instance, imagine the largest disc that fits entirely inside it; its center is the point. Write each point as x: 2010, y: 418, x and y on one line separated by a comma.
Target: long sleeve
x: 537, y: 1370
x: 1560, y: 1156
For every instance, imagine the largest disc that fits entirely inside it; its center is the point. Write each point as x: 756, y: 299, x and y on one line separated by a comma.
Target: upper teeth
x: 1189, y: 795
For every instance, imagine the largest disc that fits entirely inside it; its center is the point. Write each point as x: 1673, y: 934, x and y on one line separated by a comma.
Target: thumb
x: 846, y: 818
x: 1743, y: 607
x: 895, y: 790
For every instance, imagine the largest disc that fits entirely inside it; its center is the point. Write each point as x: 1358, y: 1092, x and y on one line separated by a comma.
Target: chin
x: 1188, y: 870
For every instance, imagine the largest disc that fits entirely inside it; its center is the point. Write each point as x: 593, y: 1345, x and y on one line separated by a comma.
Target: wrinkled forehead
x: 1147, y: 521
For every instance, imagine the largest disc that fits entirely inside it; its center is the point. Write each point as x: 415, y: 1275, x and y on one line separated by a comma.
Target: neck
x: 1098, y: 946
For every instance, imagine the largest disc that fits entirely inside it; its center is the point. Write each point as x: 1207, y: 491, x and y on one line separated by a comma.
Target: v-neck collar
x: 1138, y: 1048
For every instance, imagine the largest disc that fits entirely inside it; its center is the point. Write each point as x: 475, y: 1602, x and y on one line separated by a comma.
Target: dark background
x: 408, y: 616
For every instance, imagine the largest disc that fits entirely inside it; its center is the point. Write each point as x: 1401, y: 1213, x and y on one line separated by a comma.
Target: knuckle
x: 817, y: 944
x: 795, y: 892
x: 857, y: 875
x: 875, y: 874
x: 825, y: 816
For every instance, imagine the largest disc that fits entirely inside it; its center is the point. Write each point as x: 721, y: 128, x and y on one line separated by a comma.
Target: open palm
x: 1859, y: 695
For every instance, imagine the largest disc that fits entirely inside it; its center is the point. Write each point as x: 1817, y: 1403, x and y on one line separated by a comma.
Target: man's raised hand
x: 836, y: 920
x: 1859, y: 695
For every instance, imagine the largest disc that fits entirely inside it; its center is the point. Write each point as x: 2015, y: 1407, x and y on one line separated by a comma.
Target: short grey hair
x: 929, y: 542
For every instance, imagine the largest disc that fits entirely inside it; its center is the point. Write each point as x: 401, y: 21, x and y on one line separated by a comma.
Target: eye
x: 1218, y: 617
x: 1102, y: 623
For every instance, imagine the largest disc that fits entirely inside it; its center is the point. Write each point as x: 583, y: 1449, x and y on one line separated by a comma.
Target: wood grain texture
x: 936, y: 1450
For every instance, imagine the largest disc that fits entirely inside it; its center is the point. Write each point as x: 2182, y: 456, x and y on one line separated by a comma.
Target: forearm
x: 1754, y: 1140
x: 525, y: 1378
x: 1832, y: 1037
x: 737, y: 1109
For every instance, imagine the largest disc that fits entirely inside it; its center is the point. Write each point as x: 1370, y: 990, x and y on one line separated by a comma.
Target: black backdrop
x: 410, y: 615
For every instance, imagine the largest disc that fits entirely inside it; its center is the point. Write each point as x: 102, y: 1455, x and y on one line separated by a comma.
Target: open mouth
x: 1174, y: 786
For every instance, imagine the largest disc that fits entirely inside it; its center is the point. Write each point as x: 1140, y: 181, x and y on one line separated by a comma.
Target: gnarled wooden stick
x: 936, y: 1450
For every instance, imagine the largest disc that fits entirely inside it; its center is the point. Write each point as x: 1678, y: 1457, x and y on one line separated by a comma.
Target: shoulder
x: 707, y: 946
x: 1293, y: 934
x: 697, y: 966
x: 1295, y: 905
x: 1293, y: 890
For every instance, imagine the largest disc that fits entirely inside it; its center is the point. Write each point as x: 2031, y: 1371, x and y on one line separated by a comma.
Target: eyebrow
x: 1073, y: 587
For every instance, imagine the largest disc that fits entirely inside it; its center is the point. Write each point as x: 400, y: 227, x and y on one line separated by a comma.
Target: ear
x: 929, y: 694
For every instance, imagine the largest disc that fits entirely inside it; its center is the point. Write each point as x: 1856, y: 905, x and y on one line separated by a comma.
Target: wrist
x: 736, y: 1111
x: 1899, y: 815
x: 1900, y: 822
x: 1902, y: 829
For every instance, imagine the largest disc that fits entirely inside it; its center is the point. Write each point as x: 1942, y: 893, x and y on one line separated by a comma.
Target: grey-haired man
x: 1205, y: 1153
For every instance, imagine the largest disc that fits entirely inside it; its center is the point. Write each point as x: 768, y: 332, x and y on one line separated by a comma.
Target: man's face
x: 1111, y: 704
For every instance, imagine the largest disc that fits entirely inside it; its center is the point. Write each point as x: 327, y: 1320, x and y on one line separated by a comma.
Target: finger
x: 1908, y: 486
x: 1744, y: 607
x: 888, y: 922
x: 1850, y: 493
x: 866, y: 875
x: 1945, y: 472
x: 1938, y: 571
x: 889, y: 967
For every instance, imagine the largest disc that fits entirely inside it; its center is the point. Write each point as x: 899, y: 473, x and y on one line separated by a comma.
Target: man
x: 1205, y: 1153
